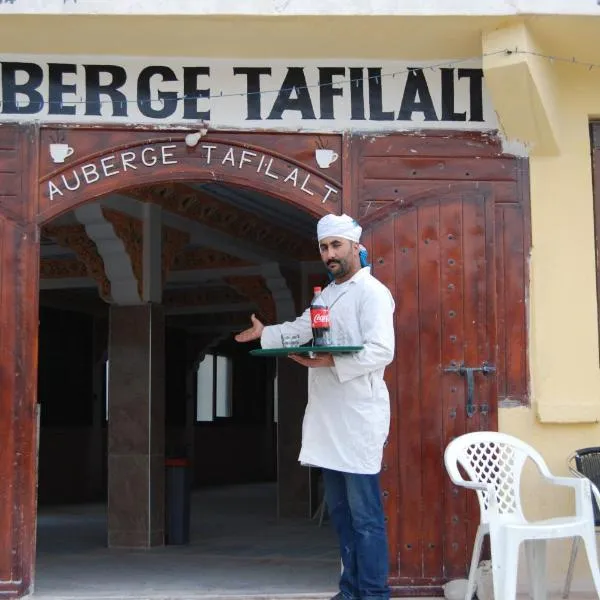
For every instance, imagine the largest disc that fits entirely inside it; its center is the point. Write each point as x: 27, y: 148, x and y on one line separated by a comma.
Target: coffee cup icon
x: 325, y: 157
x: 59, y: 152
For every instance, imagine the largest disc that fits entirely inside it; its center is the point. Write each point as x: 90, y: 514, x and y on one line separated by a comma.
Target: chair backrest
x: 495, y: 459
x: 587, y: 463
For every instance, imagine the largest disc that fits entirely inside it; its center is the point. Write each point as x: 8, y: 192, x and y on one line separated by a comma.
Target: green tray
x: 305, y: 350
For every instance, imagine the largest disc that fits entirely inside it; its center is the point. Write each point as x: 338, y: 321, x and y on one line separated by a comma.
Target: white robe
x: 347, y: 417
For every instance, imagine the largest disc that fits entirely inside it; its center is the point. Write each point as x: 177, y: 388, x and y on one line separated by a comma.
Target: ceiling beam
x: 227, y: 217
x: 280, y: 292
x: 211, y: 309
x: 214, y: 328
x: 201, y: 275
x: 73, y: 301
x: 177, y: 277
x: 64, y: 283
x: 200, y: 234
x: 277, y: 211
x: 55, y: 251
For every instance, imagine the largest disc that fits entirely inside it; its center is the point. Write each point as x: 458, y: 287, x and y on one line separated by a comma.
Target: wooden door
x: 435, y: 251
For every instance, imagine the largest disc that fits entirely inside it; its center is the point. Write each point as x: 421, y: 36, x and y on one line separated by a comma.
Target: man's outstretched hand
x: 253, y: 333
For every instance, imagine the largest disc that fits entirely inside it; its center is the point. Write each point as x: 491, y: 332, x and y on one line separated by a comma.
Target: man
x: 347, y: 416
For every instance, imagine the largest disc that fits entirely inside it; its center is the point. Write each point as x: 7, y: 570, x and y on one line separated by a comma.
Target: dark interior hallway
x: 238, y: 548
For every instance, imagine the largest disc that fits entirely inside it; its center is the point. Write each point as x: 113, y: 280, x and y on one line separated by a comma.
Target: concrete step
x: 200, y: 596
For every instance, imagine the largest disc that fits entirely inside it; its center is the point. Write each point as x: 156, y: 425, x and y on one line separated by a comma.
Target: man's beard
x: 342, y: 269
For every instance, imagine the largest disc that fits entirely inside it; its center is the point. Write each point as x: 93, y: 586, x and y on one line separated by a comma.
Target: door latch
x: 486, y: 369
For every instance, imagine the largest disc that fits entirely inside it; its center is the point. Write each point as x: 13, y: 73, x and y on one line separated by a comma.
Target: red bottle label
x: 319, y: 318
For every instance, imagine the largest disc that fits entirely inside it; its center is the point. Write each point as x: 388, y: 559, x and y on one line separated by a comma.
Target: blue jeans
x: 356, y: 512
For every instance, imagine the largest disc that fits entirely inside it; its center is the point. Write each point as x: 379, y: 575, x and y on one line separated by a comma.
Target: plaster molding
x: 115, y: 251
x: 201, y: 297
x: 257, y: 291
x: 201, y: 207
x: 173, y: 243
x: 56, y: 268
x: 77, y: 240
x: 200, y: 235
x: 280, y: 292
x: 523, y: 88
x: 202, y: 257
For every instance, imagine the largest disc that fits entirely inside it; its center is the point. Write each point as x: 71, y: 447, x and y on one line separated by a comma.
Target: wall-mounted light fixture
x: 192, y: 138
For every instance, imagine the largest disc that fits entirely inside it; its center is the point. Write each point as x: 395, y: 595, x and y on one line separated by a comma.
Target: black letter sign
x: 357, y: 94
x: 56, y: 88
x: 294, y: 82
x: 475, y: 92
x: 191, y: 93
x: 144, y: 99
x: 375, y: 97
x: 252, y: 89
x: 10, y: 88
x: 93, y: 89
x: 326, y: 75
x: 448, y: 113
x: 416, y: 84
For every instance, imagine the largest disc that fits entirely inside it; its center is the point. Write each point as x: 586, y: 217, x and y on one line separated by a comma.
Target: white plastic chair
x: 494, y: 463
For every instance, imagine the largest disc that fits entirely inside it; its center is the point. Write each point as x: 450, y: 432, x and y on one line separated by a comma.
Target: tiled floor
x: 238, y: 550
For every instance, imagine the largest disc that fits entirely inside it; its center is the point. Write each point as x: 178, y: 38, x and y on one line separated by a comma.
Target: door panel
x: 18, y: 422
x: 380, y: 243
x: 435, y: 252
x: 454, y: 419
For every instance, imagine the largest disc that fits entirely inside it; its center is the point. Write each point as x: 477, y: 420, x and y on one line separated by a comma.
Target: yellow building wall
x: 563, y: 329
x: 563, y: 320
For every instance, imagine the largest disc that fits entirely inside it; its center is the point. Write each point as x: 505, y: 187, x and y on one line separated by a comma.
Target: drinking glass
x: 290, y: 340
x: 340, y: 338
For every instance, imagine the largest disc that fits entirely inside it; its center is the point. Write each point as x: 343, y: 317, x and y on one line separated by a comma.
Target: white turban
x: 341, y: 227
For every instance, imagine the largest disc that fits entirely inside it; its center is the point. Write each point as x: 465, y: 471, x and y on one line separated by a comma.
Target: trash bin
x: 177, y: 487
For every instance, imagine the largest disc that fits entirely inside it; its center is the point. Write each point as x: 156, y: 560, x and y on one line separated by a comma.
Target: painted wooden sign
x: 318, y: 96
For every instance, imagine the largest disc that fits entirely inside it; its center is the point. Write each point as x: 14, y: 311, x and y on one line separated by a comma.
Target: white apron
x: 347, y: 417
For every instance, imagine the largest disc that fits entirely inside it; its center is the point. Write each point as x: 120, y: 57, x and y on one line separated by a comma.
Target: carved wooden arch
x: 445, y: 191
x: 98, y: 162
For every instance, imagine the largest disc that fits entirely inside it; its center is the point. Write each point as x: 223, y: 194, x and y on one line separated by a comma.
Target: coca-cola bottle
x: 319, y: 319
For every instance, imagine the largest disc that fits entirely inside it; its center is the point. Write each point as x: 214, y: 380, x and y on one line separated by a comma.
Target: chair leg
x: 498, y: 543
x: 536, y: 564
x: 589, y: 539
x: 569, y: 578
x: 474, y: 563
x: 508, y: 568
